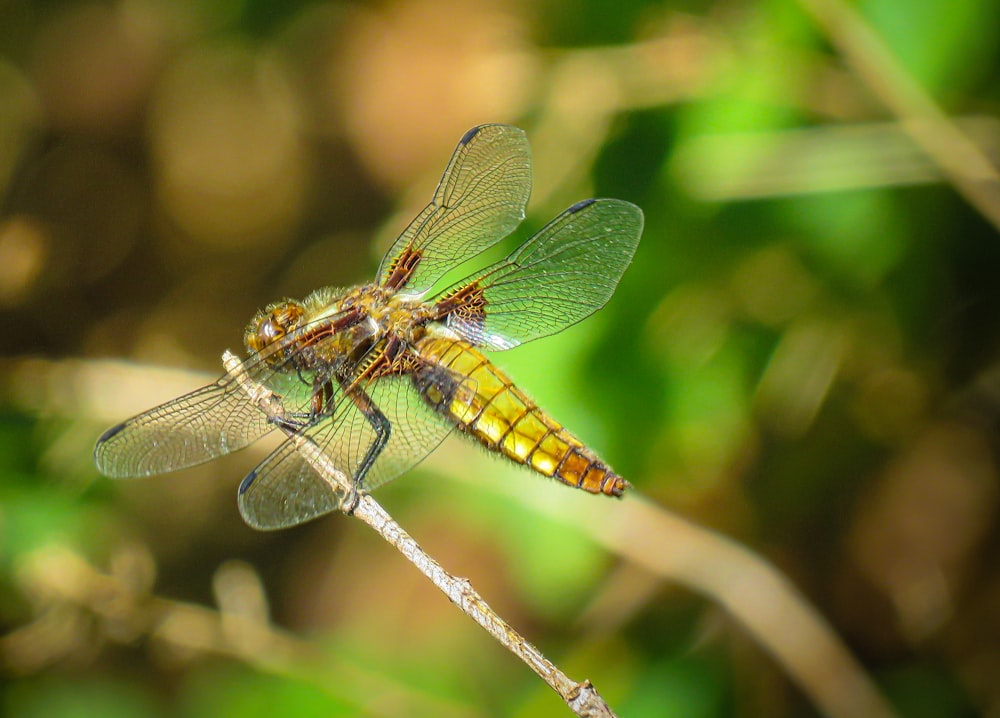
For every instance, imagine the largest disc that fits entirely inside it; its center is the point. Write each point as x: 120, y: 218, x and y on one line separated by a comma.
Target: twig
x: 750, y: 589
x: 582, y: 698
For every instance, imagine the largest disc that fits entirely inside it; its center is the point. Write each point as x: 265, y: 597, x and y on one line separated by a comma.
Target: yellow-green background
x: 802, y: 357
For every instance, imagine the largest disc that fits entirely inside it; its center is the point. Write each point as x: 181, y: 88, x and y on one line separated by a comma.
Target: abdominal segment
x: 502, y: 418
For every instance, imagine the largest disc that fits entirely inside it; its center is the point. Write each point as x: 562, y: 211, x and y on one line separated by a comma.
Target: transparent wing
x: 480, y: 200
x: 559, y: 276
x: 207, y: 423
x: 189, y: 430
x: 284, y: 490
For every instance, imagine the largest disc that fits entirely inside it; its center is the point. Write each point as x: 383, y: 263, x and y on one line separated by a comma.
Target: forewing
x: 207, y: 423
x: 194, y: 428
x: 480, y: 200
x: 284, y: 489
x: 563, y: 274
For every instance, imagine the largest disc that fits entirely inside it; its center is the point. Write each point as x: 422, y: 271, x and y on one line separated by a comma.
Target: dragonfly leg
x: 322, y: 405
x: 381, y: 426
x: 291, y: 422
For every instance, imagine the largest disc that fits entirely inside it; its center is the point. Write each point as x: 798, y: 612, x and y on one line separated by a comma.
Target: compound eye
x: 260, y: 335
x: 270, y: 331
x: 271, y: 326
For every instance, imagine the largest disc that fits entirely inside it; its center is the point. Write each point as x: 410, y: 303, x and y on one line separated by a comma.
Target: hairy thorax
x: 334, y: 325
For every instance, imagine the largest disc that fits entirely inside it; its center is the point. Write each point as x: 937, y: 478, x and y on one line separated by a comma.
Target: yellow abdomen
x: 502, y: 418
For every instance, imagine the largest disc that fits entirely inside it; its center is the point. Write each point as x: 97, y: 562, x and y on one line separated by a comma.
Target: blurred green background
x: 803, y: 356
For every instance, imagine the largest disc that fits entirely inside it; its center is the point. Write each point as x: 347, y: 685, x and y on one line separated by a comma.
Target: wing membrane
x: 207, y: 423
x: 480, y: 200
x: 284, y: 490
x: 563, y: 274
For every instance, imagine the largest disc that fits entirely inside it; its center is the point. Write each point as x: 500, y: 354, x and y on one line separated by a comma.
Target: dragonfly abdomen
x: 502, y: 418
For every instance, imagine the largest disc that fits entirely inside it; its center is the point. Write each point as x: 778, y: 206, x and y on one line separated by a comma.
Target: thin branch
x: 750, y: 589
x: 582, y: 698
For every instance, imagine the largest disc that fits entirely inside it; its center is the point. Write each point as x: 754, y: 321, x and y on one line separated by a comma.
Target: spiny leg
x: 321, y: 405
x: 380, y: 424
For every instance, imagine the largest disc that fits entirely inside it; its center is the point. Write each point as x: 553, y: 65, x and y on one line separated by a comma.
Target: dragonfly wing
x: 417, y: 426
x: 194, y: 428
x: 284, y: 489
x: 563, y: 274
x: 480, y: 200
x: 207, y: 423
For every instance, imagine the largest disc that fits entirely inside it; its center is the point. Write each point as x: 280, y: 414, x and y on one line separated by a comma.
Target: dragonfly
x: 376, y: 376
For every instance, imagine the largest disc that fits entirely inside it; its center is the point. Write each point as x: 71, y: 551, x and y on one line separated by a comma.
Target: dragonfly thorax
x: 401, y: 316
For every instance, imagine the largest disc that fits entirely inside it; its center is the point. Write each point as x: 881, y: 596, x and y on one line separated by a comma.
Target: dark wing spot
x: 110, y: 433
x: 580, y: 205
x: 247, y: 481
x: 467, y: 137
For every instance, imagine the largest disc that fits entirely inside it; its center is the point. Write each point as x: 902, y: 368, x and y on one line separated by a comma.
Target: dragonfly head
x: 271, y: 325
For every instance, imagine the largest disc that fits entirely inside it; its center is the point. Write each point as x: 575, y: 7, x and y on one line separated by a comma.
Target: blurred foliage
x: 803, y: 355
